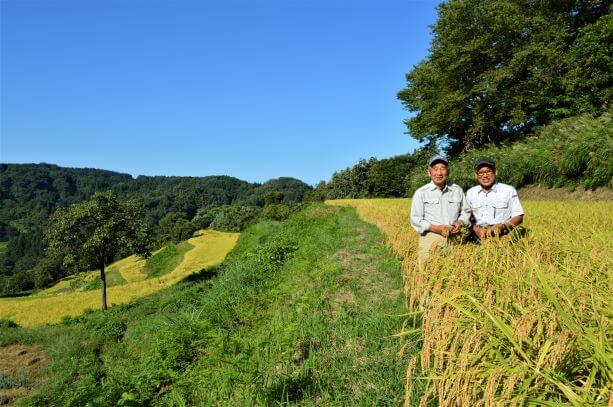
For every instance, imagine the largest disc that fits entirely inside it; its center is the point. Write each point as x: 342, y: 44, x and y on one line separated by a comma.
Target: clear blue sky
x: 251, y: 89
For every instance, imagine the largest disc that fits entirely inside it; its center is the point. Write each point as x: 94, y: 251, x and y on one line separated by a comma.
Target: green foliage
x: 275, y: 197
x: 373, y: 178
x: 234, y: 218
x: 498, y: 68
x: 166, y: 260
x: 176, y: 227
x: 276, y: 211
x: 113, y: 278
x: 568, y: 153
x: 20, y: 255
x: 288, y: 318
x: 281, y: 190
x: 30, y: 193
x: 90, y: 234
x: 6, y: 323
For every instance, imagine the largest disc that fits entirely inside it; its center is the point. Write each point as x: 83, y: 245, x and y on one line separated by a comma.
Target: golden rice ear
x: 445, y: 232
x: 503, y: 325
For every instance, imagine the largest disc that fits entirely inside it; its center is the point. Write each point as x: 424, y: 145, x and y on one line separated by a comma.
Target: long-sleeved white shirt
x: 434, y: 206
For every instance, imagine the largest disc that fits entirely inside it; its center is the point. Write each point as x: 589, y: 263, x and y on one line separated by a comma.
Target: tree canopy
x: 497, y: 68
x: 89, y: 235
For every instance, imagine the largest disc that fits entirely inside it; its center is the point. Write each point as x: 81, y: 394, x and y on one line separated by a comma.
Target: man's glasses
x: 484, y: 172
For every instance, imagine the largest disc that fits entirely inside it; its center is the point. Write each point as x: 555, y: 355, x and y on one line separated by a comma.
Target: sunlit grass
x: 210, y: 248
x: 512, y: 323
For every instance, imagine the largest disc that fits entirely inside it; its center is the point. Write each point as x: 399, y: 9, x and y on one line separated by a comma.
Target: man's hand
x: 456, y: 227
x: 442, y: 230
x: 498, y: 229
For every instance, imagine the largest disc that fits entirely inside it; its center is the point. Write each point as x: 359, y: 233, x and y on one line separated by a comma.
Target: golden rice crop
x: 511, y: 323
x: 210, y: 248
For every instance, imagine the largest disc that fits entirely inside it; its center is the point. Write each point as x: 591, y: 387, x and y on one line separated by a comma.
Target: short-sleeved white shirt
x: 498, y: 205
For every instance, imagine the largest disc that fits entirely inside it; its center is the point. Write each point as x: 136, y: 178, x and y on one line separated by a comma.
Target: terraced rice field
x: 59, y: 301
x: 510, y: 322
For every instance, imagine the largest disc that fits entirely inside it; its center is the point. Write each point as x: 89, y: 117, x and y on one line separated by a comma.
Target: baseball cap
x: 436, y: 159
x: 484, y: 161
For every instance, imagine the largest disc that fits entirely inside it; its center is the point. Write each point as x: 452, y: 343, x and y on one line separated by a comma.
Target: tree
x: 176, y: 227
x: 89, y: 235
x: 497, y: 68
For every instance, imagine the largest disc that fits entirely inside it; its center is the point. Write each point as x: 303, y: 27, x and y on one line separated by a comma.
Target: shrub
x: 234, y: 218
x: 6, y: 323
x: 176, y: 227
x: 276, y: 212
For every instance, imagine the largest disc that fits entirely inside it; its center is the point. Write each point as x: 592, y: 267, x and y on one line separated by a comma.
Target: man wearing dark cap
x: 495, y: 206
x: 438, y: 210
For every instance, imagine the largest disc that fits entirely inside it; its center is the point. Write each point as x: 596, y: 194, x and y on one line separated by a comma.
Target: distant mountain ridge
x: 29, y: 193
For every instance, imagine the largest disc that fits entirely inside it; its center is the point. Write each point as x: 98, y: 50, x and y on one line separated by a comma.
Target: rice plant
x: 511, y: 322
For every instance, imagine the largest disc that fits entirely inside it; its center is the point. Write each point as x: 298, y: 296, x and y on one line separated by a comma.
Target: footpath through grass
x: 301, y: 312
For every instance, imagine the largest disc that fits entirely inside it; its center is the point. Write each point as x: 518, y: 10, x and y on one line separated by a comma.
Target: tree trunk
x: 103, y: 279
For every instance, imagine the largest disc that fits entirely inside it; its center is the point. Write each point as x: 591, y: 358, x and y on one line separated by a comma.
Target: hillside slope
x: 209, y: 249
x: 301, y: 312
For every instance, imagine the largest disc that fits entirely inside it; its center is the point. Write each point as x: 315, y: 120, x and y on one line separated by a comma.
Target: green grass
x: 167, y: 259
x: 301, y: 312
x: 113, y: 278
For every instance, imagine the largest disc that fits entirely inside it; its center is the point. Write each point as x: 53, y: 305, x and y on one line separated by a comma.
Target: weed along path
x: 208, y: 249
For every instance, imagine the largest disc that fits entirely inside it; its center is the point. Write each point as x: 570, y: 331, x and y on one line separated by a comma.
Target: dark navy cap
x: 484, y: 161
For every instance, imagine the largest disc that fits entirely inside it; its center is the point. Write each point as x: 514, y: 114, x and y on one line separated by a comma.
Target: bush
x: 276, y: 212
x: 234, y: 218
x: 6, y: 323
x: 176, y: 227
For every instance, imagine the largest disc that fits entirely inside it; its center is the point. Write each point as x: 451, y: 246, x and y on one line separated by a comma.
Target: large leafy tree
x: 497, y: 68
x: 89, y: 235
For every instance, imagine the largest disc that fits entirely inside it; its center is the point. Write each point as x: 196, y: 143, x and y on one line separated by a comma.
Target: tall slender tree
x: 89, y: 235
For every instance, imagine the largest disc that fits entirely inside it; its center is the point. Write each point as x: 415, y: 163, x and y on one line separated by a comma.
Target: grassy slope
x: 167, y: 259
x: 300, y: 312
x: 60, y: 301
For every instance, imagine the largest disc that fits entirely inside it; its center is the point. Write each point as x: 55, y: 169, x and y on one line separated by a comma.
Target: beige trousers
x: 431, y: 242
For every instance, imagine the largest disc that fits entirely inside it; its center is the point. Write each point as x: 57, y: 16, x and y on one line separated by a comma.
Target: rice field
x: 522, y: 322
x: 59, y: 301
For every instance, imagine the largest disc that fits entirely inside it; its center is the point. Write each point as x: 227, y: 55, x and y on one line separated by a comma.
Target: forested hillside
x: 30, y: 193
x: 570, y: 153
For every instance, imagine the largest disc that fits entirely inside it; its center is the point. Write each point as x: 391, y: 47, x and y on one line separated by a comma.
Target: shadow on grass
x: 203, y: 275
x: 290, y: 388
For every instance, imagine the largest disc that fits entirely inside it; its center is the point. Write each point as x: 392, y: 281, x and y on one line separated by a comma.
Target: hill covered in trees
x: 30, y: 193
x: 570, y: 153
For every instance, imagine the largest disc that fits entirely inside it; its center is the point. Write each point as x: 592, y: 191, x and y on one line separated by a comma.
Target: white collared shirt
x: 434, y: 206
x: 498, y: 205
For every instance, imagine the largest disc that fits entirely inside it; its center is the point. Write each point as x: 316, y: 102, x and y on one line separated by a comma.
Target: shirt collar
x: 493, y: 188
x: 433, y: 186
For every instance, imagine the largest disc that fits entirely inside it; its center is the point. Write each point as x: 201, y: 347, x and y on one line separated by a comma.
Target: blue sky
x: 251, y: 89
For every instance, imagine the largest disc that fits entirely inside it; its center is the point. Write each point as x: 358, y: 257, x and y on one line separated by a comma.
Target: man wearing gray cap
x: 438, y: 210
x: 495, y: 206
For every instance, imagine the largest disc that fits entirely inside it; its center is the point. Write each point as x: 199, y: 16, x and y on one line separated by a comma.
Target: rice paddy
x: 524, y: 321
x: 68, y: 298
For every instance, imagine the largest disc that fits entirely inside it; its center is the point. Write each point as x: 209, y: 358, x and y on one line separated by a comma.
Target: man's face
x: 438, y: 174
x: 486, y: 176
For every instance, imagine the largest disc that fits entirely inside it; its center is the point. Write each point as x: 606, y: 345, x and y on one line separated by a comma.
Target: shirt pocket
x: 501, y: 209
x: 431, y: 206
x: 453, y: 204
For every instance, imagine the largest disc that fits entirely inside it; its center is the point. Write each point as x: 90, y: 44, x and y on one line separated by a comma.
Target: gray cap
x: 436, y: 159
x: 484, y: 161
